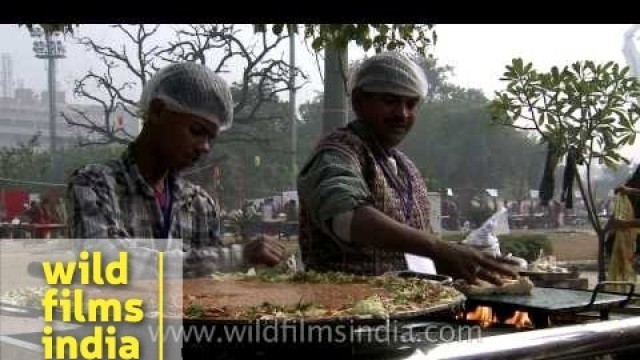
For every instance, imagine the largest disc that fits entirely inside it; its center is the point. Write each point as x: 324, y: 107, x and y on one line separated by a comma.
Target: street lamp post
x: 292, y: 106
x: 47, y: 45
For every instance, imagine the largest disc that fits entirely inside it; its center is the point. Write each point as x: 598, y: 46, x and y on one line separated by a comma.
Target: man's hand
x: 264, y: 251
x: 622, y: 189
x: 462, y: 262
x: 616, y: 224
x: 627, y: 190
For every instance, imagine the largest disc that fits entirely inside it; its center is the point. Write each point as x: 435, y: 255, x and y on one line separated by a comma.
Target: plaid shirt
x: 113, y: 200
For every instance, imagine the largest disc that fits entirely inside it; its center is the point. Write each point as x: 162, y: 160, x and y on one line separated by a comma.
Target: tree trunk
x: 601, y: 267
x: 335, y: 97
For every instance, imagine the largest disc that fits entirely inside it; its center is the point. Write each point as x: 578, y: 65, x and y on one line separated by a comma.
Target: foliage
x: 28, y: 162
x: 24, y: 162
x: 52, y: 28
x: 525, y: 246
x: 377, y: 36
x: 454, y: 145
x: 588, y: 110
x: 592, y: 108
x: 440, y: 89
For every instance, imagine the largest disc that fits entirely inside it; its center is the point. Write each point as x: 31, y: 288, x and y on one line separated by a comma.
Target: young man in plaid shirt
x: 141, y: 195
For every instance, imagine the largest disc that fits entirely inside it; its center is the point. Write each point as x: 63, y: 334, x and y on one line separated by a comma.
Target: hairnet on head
x: 191, y: 88
x: 390, y: 72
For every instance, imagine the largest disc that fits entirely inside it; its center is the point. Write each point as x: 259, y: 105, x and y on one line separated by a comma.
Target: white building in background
x: 27, y: 113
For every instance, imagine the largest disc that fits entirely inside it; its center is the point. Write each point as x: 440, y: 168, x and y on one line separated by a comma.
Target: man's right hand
x: 622, y: 189
x: 616, y: 224
x: 462, y: 262
x: 627, y: 190
x: 264, y: 251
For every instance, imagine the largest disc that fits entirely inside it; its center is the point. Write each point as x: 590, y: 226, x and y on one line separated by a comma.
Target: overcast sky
x: 478, y: 53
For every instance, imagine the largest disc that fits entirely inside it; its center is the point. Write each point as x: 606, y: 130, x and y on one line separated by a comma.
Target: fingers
x: 488, y: 269
x: 494, y: 266
x: 489, y: 276
x: 471, y: 265
x: 508, y: 261
x: 265, y: 251
x: 270, y: 258
x: 274, y: 253
x: 470, y: 272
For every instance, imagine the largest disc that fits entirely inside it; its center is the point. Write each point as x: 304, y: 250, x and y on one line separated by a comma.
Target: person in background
x: 631, y: 188
x: 141, y: 195
x: 363, y: 203
x: 291, y: 210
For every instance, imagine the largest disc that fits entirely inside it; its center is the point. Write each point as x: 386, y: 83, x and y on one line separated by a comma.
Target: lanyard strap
x: 406, y: 198
x: 165, y: 208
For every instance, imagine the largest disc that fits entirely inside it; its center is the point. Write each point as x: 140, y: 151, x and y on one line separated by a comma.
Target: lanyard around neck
x: 165, y: 209
x: 405, y: 195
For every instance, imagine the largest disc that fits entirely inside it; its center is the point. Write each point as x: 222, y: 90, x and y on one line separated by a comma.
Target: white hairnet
x: 390, y: 72
x: 191, y: 88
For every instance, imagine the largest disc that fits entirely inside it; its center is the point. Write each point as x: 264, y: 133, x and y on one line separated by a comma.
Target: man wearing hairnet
x: 141, y: 195
x: 364, y: 205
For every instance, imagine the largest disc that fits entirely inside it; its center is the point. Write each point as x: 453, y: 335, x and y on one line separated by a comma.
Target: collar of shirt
x: 175, y: 183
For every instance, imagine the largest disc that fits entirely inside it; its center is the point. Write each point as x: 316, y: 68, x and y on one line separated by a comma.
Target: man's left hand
x: 264, y: 251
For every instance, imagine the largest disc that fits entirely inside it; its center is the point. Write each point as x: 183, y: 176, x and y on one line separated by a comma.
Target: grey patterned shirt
x: 113, y: 201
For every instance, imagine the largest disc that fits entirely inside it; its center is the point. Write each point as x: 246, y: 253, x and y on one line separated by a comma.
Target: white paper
x: 501, y: 218
x: 420, y: 264
x: 492, y: 192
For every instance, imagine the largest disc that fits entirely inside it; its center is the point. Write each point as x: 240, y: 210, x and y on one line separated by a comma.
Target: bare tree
x: 142, y: 52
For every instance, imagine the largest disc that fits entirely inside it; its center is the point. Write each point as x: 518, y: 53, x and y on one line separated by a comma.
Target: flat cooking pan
x: 547, y: 301
x: 444, y: 280
x: 348, y: 333
x: 17, y: 310
x: 35, y: 311
x: 346, y: 324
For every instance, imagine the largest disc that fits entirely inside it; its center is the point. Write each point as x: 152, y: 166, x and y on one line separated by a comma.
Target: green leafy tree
x: 455, y: 146
x: 377, y: 36
x: 334, y: 40
x: 586, y: 110
x: 23, y: 162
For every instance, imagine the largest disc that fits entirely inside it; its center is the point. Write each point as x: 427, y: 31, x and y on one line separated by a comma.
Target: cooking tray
x: 339, y: 336
x: 17, y: 310
x: 547, y: 301
x: 344, y: 332
x: 36, y: 311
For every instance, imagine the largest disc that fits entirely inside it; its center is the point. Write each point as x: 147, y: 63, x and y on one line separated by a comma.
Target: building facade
x: 27, y: 114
